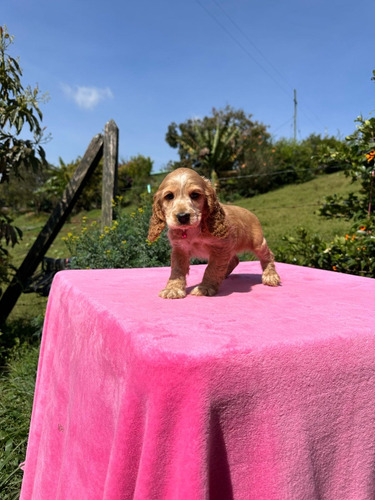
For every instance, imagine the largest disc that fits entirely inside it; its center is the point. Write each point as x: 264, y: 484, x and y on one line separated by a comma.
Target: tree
x: 133, y: 177
x: 218, y: 143
x: 18, y: 106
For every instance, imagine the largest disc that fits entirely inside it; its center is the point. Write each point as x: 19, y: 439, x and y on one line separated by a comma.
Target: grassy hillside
x: 284, y: 210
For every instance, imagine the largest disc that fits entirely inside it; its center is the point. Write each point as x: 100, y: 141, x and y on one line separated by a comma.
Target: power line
x: 250, y: 55
x: 288, y: 121
x: 247, y: 52
x: 278, y: 172
x: 246, y: 36
x: 249, y: 176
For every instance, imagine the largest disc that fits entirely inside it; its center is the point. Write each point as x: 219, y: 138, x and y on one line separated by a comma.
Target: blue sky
x: 147, y: 63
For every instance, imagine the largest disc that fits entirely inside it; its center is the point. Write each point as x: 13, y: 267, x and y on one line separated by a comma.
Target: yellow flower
x: 140, y: 210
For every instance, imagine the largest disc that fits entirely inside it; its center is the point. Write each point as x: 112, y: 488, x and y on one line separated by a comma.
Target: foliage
x: 270, y: 166
x: 356, y: 156
x: 123, y: 245
x: 48, y: 188
x: 31, y: 192
x: 133, y: 177
x: 18, y: 106
x: 241, y: 154
x: 216, y: 143
x: 297, y: 161
x: 90, y: 197
x: 353, y: 253
x: 10, y: 235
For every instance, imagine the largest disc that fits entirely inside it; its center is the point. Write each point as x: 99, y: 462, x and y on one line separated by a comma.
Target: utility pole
x: 295, y: 115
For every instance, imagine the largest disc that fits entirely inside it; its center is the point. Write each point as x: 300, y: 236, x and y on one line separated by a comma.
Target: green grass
x: 280, y: 212
x: 16, y: 396
x: 31, y: 305
x: 32, y: 224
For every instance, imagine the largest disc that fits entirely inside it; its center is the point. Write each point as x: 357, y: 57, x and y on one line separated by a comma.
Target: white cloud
x: 86, y: 97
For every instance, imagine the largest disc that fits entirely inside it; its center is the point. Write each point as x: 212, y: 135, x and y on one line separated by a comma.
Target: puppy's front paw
x: 204, y: 290
x: 172, y: 293
x: 271, y: 278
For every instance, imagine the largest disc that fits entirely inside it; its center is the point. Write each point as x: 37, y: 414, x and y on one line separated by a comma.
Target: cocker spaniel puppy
x: 200, y: 226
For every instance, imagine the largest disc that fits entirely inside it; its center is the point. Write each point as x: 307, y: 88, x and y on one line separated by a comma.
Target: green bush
x: 353, y: 253
x: 356, y: 156
x: 123, y: 245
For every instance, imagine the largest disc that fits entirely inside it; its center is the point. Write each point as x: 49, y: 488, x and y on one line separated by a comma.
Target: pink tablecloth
x: 257, y: 393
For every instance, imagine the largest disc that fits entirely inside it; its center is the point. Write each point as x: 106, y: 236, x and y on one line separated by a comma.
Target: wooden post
x: 110, y: 168
x: 52, y: 227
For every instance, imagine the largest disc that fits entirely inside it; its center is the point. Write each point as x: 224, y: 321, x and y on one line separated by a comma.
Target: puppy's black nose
x: 183, y: 218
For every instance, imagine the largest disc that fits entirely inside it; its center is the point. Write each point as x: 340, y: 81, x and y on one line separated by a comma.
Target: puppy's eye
x: 169, y: 196
x: 194, y: 195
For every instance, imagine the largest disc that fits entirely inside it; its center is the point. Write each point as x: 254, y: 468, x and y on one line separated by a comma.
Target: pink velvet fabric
x: 256, y: 393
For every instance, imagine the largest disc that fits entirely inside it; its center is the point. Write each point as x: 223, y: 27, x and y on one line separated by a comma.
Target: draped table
x: 256, y: 393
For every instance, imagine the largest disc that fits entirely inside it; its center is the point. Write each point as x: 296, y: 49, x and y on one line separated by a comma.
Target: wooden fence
x: 105, y: 147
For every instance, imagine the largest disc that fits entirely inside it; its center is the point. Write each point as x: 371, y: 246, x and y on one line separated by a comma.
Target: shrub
x: 353, y: 253
x: 356, y: 156
x: 123, y: 245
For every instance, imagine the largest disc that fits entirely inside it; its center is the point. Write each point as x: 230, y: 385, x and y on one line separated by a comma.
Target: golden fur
x: 200, y: 226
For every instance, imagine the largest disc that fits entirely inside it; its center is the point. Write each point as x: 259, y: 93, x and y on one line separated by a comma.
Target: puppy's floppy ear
x: 216, y: 222
x: 157, y: 221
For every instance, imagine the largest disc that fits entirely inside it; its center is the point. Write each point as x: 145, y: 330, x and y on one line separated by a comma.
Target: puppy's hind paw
x: 172, y: 293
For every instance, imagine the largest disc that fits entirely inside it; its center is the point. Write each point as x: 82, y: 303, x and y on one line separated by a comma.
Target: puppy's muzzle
x: 183, y: 218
